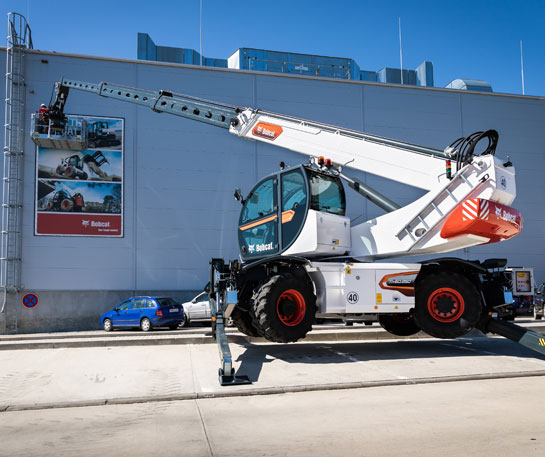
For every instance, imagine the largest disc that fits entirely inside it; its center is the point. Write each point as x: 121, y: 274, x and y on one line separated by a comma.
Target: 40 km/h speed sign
x: 30, y: 301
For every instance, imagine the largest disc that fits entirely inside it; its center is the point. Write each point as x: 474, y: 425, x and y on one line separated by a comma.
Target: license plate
x: 174, y: 310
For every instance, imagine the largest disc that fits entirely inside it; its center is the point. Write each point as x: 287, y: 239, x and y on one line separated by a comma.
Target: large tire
x: 401, y: 324
x: 67, y: 205
x: 243, y: 322
x: 284, y: 308
x: 448, y: 305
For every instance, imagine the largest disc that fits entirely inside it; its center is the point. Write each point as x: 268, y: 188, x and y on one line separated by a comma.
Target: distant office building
x: 287, y: 62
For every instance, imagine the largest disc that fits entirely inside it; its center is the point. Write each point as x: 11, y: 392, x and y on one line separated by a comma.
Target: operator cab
x: 298, y: 211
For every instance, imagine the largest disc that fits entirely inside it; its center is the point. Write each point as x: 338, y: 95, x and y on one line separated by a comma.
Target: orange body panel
x: 484, y: 218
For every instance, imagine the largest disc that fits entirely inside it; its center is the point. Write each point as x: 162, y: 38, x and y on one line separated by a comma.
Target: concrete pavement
x: 492, y: 418
x: 46, y: 378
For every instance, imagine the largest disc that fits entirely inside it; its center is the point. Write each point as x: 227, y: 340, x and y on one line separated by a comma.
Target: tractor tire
x: 84, y: 176
x: 59, y: 170
x: 69, y: 172
x: 49, y: 206
x: 243, y: 322
x: 284, y: 308
x: 402, y: 324
x: 448, y: 305
x: 67, y: 205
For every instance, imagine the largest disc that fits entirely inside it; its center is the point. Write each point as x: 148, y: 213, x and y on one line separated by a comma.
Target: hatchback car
x: 198, y: 310
x: 145, y: 313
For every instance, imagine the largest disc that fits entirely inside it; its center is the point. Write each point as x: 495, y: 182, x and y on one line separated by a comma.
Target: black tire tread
x: 244, y: 323
x: 399, y: 325
x: 263, y: 295
x: 468, y: 320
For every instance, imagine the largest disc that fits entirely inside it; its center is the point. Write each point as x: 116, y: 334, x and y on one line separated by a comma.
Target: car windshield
x: 166, y: 301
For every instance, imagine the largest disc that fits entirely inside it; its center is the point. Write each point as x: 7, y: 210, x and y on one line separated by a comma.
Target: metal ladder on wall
x: 18, y: 40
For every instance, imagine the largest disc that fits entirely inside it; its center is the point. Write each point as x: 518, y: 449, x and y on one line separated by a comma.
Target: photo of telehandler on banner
x: 79, y: 192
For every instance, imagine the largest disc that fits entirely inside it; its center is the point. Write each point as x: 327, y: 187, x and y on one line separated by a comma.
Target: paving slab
x: 91, y: 376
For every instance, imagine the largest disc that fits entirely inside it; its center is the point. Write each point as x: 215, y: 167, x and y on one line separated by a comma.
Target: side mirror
x: 238, y: 196
x: 116, y: 309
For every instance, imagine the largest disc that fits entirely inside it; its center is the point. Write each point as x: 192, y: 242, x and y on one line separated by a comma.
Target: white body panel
x: 400, y: 232
x: 421, y: 170
x: 322, y: 234
x: 354, y: 288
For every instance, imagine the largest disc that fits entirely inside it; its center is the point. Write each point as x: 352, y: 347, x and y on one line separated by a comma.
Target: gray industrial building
x: 179, y: 175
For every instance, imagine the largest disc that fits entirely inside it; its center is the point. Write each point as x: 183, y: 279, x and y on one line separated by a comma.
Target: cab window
x: 327, y: 194
x: 261, y: 201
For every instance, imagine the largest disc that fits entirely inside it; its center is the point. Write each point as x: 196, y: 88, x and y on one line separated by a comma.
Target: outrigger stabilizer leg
x: 223, y: 298
x: 516, y: 333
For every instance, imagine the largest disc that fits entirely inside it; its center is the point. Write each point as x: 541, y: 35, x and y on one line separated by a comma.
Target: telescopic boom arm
x: 424, y: 167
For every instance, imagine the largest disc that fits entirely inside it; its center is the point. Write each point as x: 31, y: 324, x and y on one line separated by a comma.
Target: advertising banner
x: 80, y: 192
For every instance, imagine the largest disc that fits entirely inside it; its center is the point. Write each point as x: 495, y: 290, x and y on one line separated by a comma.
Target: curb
x: 271, y: 391
x: 236, y: 338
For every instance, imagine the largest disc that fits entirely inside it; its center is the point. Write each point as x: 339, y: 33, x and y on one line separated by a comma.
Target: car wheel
x: 145, y: 325
x: 107, y: 325
x: 186, y: 321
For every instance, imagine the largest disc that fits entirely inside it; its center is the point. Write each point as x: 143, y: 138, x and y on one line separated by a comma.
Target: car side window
x: 139, y: 303
x: 150, y: 303
x: 124, y: 306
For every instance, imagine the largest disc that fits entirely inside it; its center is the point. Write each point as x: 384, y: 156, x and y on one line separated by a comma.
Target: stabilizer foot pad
x: 232, y: 380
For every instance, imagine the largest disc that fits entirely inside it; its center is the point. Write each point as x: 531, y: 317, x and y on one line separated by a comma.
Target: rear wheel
x: 402, y: 324
x: 145, y: 325
x: 284, y: 308
x: 242, y: 320
x: 448, y: 305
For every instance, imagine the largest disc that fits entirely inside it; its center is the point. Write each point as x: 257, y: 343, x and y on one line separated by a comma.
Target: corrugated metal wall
x: 180, y: 175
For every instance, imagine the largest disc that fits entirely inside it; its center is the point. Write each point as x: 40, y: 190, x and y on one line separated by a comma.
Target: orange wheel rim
x: 446, y: 305
x: 291, y: 307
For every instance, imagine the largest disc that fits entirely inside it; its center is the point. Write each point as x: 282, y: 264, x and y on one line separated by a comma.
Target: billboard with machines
x: 80, y: 192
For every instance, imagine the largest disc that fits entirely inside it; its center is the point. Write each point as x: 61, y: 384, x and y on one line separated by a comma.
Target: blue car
x: 144, y: 312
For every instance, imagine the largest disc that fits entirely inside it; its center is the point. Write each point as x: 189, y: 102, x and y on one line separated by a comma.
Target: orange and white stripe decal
x: 287, y: 216
x: 475, y: 208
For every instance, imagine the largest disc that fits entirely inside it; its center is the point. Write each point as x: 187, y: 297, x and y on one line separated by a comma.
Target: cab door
x: 258, y: 222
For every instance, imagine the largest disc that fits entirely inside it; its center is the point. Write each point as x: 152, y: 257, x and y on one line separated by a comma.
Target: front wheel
x: 448, y: 305
x: 402, y: 324
x: 107, y: 325
x: 186, y: 321
x: 145, y: 325
x: 284, y: 308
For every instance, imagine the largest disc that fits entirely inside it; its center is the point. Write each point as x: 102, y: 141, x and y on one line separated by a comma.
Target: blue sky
x: 478, y: 39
